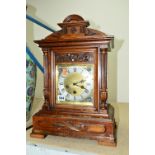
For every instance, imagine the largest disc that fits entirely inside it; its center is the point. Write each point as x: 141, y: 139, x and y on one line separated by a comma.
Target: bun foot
x: 38, y: 134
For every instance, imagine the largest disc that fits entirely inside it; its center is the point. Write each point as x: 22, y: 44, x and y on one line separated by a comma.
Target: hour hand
x: 81, y: 86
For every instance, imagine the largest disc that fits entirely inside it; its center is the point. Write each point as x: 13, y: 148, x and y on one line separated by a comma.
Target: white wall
x: 110, y: 16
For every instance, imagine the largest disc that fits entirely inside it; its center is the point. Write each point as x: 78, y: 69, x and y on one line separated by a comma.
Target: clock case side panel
x: 49, y: 71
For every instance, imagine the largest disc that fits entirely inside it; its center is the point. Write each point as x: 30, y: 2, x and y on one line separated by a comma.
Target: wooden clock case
x: 77, y: 44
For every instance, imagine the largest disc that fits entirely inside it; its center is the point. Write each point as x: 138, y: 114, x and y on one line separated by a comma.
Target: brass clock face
x: 75, y: 84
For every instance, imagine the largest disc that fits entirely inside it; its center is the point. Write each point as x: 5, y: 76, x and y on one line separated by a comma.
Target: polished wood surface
x: 76, y: 44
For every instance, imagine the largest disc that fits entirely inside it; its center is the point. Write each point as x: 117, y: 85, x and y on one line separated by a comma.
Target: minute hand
x: 81, y: 81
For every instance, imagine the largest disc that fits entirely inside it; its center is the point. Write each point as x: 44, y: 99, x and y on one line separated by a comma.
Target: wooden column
x: 103, y: 89
x: 99, y: 73
x: 46, y: 90
x: 52, y: 78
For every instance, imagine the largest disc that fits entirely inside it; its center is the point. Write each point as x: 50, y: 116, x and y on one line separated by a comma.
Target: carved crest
x: 74, y: 24
x: 74, y: 28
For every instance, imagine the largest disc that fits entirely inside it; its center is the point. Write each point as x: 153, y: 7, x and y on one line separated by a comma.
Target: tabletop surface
x: 91, y: 147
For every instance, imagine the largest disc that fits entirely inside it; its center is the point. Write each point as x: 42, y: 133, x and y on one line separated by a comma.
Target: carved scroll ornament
x: 75, y: 57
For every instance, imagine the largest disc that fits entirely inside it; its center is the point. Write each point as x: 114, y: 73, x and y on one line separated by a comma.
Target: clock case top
x: 75, y: 32
x: 74, y: 37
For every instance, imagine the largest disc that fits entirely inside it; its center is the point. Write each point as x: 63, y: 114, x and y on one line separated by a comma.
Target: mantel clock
x: 75, y: 84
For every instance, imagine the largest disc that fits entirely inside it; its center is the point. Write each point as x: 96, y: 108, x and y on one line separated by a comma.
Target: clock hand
x: 81, y: 86
x: 81, y: 81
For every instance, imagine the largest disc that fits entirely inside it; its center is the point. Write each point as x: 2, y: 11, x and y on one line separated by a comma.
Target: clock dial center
x: 74, y: 83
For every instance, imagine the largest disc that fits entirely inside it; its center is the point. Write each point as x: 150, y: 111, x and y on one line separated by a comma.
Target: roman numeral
x: 62, y: 89
x: 61, y: 83
x: 74, y: 97
x: 86, y: 91
x: 88, y: 84
x: 81, y: 96
x: 68, y: 95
